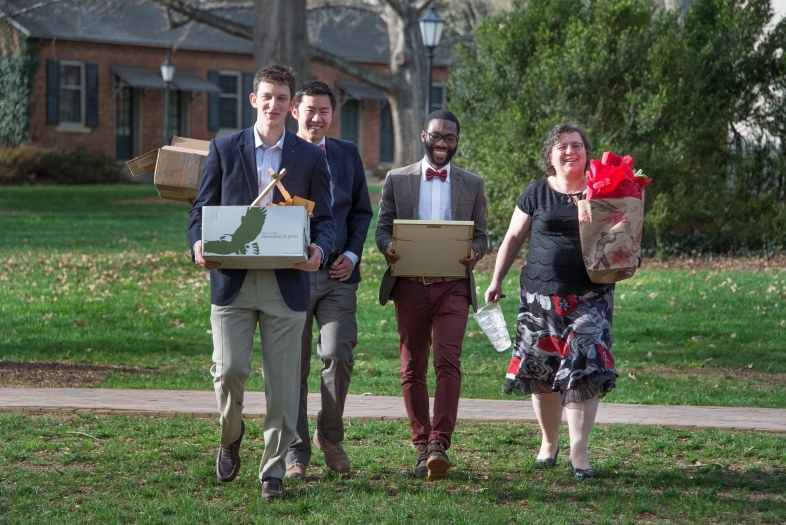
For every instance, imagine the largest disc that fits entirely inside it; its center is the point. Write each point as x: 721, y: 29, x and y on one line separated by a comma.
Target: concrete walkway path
x: 200, y: 403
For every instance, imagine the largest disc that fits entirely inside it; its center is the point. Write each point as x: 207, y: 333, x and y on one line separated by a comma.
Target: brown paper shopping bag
x: 610, y: 231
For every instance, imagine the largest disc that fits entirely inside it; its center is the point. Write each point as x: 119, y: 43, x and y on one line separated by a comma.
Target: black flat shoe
x: 548, y: 462
x: 582, y: 473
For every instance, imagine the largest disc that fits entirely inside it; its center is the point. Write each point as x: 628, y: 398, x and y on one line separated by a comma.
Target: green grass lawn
x: 101, y: 275
x: 112, y: 469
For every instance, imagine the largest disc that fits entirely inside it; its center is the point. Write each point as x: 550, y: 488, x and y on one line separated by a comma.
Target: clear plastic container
x: 491, y: 321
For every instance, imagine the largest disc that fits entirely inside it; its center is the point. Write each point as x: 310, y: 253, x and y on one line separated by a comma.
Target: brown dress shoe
x: 296, y: 471
x: 438, y: 463
x: 272, y: 488
x: 420, y: 468
x: 228, y: 458
x: 335, y: 457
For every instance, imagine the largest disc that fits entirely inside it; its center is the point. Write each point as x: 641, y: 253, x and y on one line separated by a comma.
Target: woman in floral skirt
x: 562, y: 354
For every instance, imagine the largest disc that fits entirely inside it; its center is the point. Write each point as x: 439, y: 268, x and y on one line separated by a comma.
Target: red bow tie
x: 442, y: 174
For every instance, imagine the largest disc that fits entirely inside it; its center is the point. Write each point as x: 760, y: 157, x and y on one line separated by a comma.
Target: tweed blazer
x: 400, y: 196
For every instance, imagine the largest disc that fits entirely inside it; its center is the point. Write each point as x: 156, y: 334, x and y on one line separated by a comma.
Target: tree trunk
x: 409, y: 72
x: 281, y: 36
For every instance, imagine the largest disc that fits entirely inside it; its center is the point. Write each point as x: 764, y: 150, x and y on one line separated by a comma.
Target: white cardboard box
x: 254, y: 237
x: 431, y: 248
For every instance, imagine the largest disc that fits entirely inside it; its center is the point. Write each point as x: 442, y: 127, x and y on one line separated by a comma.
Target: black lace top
x: 554, y: 261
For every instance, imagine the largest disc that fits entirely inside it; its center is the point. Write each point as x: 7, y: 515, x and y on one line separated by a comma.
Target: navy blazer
x: 351, y: 202
x: 229, y: 178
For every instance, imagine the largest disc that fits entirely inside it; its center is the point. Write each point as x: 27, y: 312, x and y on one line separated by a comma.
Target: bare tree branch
x: 421, y: 5
x: 315, y: 5
x: 227, y: 6
x: 228, y: 26
x: 33, y: 7
x: 399, y: 7
x: 380, y: 82
x: 455, y: 40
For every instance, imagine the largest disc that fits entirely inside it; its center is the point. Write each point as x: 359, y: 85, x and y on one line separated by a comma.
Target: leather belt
x: 433, y: 280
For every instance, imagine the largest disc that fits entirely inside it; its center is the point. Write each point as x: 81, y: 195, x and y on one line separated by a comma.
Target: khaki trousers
x: 259, y: 302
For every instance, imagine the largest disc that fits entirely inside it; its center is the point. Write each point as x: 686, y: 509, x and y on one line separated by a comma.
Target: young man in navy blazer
x: 235, y: 172
x: 333, y: 287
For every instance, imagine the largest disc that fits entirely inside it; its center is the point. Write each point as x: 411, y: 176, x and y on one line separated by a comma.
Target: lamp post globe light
x: 431, y: 26
x: 167, y: 75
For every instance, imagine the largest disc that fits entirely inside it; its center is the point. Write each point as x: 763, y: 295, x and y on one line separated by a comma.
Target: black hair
x: 312, y: 89
x: 442, y: 114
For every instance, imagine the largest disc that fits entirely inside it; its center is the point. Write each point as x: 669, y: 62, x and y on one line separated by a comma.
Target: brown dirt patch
x: 722, y: 263
x: 10, y: 210
x: 44, y: 374
x: 150, y: 200
x: 753, y: 378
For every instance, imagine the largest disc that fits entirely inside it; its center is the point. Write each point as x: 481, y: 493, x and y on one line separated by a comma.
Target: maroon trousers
x: 440, y: 309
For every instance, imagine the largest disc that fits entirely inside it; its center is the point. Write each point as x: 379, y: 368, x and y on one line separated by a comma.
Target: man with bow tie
x: 432, y: 312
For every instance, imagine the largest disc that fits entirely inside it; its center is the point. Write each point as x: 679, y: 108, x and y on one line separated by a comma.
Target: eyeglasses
x: 449, y: 139
x: 575, y: 146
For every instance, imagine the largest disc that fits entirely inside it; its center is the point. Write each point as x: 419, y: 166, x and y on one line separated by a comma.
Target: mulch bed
x: 43, y: 374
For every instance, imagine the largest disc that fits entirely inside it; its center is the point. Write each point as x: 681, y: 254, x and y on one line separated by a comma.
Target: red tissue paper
x: 612, y: 177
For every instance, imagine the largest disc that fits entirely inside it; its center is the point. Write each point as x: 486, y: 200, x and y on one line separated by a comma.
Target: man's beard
x: 430, y: 156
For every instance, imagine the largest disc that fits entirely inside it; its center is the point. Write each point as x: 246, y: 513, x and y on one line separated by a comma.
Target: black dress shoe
x: 272, y: 488
x: 548, y: 462
x: 228, y: 458
x: 582, y: 473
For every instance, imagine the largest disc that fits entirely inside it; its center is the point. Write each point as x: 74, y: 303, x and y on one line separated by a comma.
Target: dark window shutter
x: 52, y: 92
x: 91, y: 74
x: 248, y: 110
x: 212, y: 103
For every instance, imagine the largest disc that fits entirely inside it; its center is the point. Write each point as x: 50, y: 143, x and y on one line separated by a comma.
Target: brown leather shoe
x: 272, y: 488
x: 420, y: 468
x: 296, y: 471
x: 335, y: 457
x: 438, y: 463
x: 228, y: 458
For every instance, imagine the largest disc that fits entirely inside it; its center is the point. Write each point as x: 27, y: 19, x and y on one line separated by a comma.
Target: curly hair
x: 554, y: 135
x: 276, y: 74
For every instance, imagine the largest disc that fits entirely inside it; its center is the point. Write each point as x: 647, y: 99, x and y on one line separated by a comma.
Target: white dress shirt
x: 267, y: 157
x: 434, y: 198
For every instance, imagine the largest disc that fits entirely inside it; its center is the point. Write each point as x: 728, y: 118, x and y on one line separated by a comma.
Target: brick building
x: 98, y: 82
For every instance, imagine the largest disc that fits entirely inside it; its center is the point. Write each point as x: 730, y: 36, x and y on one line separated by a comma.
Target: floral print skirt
x: 563, y: 344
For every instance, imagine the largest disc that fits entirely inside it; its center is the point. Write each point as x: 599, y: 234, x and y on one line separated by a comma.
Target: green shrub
x: 697, y: 101
x: 33, y: 164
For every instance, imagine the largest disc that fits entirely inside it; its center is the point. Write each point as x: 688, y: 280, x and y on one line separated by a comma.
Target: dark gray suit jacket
x: 229, y: 178
x: 351, y: 203
x: 400, y: 196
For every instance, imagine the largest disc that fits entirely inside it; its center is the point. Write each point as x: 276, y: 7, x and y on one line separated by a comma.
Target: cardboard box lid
x: 182, y: 142
x: 143, y: 163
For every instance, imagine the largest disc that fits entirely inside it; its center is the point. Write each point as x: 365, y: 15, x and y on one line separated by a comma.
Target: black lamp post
x: 431, y: 26
x: 167, y: 74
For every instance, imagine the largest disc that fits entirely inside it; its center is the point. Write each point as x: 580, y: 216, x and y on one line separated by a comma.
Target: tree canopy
x: 697, y: 100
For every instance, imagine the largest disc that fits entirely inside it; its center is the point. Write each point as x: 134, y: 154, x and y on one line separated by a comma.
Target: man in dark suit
x: 333, y: 287
x: 235, y: 172
x: 432, y: 309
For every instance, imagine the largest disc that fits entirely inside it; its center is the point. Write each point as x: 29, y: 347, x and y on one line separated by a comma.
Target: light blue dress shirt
x: 267, y: 157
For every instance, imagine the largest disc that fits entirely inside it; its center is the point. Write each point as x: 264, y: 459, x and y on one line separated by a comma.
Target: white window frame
x: 238, y: 96
x: 74, y: 125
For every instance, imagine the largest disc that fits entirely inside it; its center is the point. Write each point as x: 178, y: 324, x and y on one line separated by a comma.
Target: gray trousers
x: 259, y: 303
x: 333, y: 305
